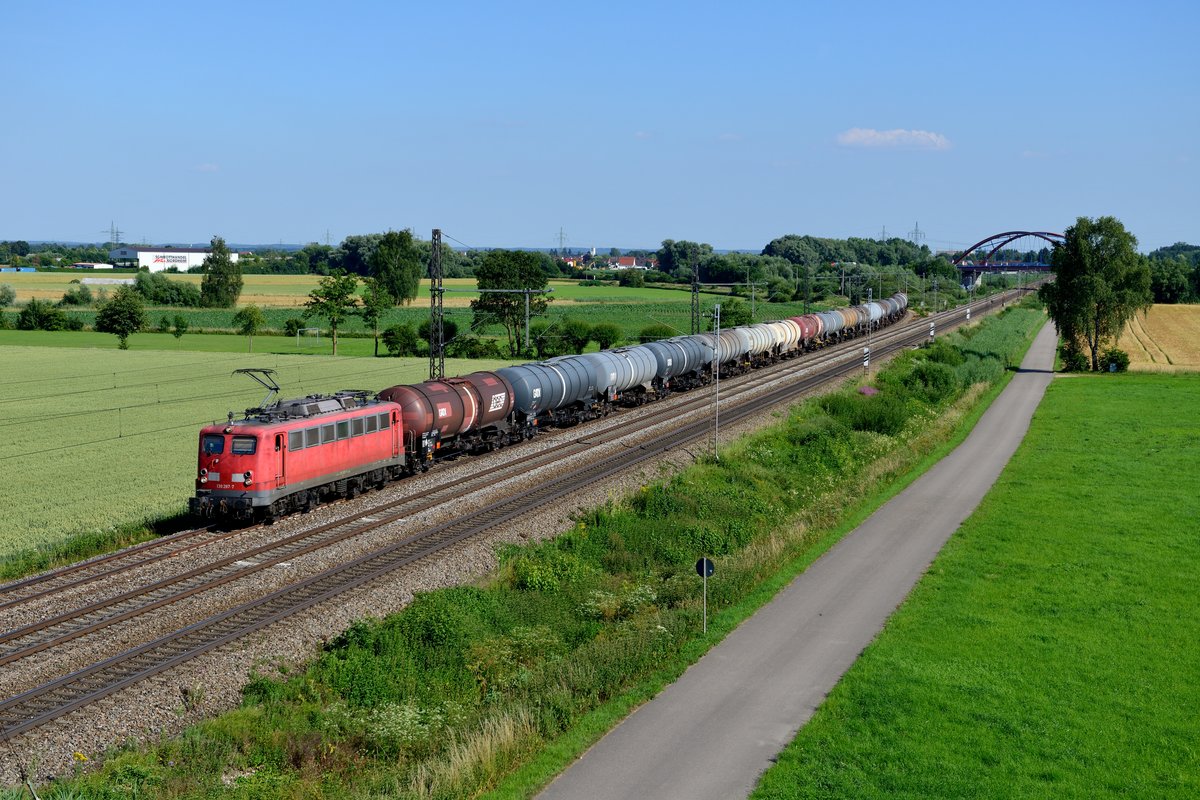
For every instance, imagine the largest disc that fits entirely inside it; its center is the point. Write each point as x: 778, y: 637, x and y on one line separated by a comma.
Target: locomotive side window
x: 214, y: 444
x: 343, y: 429
x: 372, y: 424
x: 244, y: 445
x: 356, y: 426
x: 327, y: 433
x: 383, y: 422
x: 295, y: 440
x: 312, y: 437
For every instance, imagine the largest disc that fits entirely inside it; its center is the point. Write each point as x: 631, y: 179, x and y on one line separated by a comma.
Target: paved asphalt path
x: 713, y: 732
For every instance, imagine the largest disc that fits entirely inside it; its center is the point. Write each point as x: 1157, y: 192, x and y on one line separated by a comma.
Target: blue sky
x: 623, y: 124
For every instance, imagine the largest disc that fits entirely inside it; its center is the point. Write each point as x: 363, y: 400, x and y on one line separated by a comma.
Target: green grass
x: 467, y: 684
x: 1051, y: 650
x: 96, y: 440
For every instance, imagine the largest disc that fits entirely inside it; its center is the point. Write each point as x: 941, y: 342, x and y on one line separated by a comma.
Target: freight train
x: 291, y: 455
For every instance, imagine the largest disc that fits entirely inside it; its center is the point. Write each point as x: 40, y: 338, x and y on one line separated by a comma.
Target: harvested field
x: 1165, y: 340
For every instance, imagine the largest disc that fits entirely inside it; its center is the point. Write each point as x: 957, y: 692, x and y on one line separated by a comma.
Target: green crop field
x: 1051, y: 651
x: 97, y: 438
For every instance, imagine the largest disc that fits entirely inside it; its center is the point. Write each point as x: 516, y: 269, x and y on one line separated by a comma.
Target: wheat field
x: 1167, y: 339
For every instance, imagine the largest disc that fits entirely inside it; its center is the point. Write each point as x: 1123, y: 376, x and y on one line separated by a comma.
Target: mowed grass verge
x: 94, y: 440
x: 1051, y: 651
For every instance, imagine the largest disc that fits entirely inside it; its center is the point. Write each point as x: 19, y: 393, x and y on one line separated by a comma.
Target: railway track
x: 33, y: 708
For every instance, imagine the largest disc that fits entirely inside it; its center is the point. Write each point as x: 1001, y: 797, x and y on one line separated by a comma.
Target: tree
x: 249, y: 321
x: 41, y: 315
x: 1100, y: 282
x: 396, y: 263
x: 733, y: 313
x: 1170, y: 280
x: 376, y: 302
x: 675, y: 258
x: 401, y: 340
x: 181, y: 326
x: 606, y: 334
x: 576, y: 333
x: 509, y: 269
x: 8, y: 295
x: 449, y: 330
x: 333, y: 299
x: 122, y: 315
x: 222, y: 282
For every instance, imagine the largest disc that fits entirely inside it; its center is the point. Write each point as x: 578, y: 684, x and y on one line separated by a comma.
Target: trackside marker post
x: 704, y: 568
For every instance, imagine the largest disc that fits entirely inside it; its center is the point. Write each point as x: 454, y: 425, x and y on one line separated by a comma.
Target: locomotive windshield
x: 243, y: 445
x: 213, y: 444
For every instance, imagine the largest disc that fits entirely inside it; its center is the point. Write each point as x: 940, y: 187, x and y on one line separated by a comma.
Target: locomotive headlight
x: 247, y: 477
x: 204, y: 476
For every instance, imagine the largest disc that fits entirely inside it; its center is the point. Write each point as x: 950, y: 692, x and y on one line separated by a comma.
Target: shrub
x: 652, y: 333
x: 546, y: 569
x: 931, y: 381
x: 1115, y: 360
x: 401, y: 340
x: 164, y: 324
x: 8, y: 295
x: 81, y: 296
x: 942, y: 352
x: 159, y: 290
x: 292, y: 326
x: 881, y: 413
x: 606, y: 334
x: 41, y: 315
x: 635, y: 278
x: 1073, y: 358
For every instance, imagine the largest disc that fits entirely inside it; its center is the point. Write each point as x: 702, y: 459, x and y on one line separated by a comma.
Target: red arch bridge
x: 1011, y: 251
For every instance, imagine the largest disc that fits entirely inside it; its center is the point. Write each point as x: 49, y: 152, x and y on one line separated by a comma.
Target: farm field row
x: 1050, y: 650
x: 97, y: 438
x: 291, y: 291
x: 1167, y: 339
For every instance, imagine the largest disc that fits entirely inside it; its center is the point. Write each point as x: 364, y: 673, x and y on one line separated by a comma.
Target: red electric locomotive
x: 290, y: 455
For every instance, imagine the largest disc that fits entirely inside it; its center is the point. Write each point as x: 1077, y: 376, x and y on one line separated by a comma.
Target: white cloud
x: 898, y: 138
x: 642, y: 135
x: 210, y: 167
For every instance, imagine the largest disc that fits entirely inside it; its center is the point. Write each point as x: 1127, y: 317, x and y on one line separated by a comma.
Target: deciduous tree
x: 123, y: 314
x: 334, y: 299
x: 222, y: 282
x: 396, y: 264
x: 249, y: 321
x: 376, y: 301
x: 1100, y: 282
x: 509, y: 269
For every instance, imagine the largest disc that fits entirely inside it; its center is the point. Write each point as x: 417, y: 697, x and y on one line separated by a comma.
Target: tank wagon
x: 294, y: 454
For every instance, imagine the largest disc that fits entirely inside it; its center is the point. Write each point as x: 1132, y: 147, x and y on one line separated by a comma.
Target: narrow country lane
x: 713, y: 732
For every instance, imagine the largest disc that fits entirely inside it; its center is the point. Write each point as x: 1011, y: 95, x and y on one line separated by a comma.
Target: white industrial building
x: 156, y: 259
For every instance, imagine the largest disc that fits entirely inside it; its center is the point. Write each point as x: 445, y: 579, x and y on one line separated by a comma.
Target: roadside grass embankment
x: 99, y: 446
x: 1051, y: 649
x: 516, y: 675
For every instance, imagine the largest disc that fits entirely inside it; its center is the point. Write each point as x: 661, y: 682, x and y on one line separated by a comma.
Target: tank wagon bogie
x: 294, y: 454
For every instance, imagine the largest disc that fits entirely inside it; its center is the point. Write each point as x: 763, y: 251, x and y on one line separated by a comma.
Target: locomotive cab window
x: 312, y: 437
x: 244, y: 445
x: 383, y: 422
x: 372, y: 424
x: 295, y: 440
x: 214, y: 444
